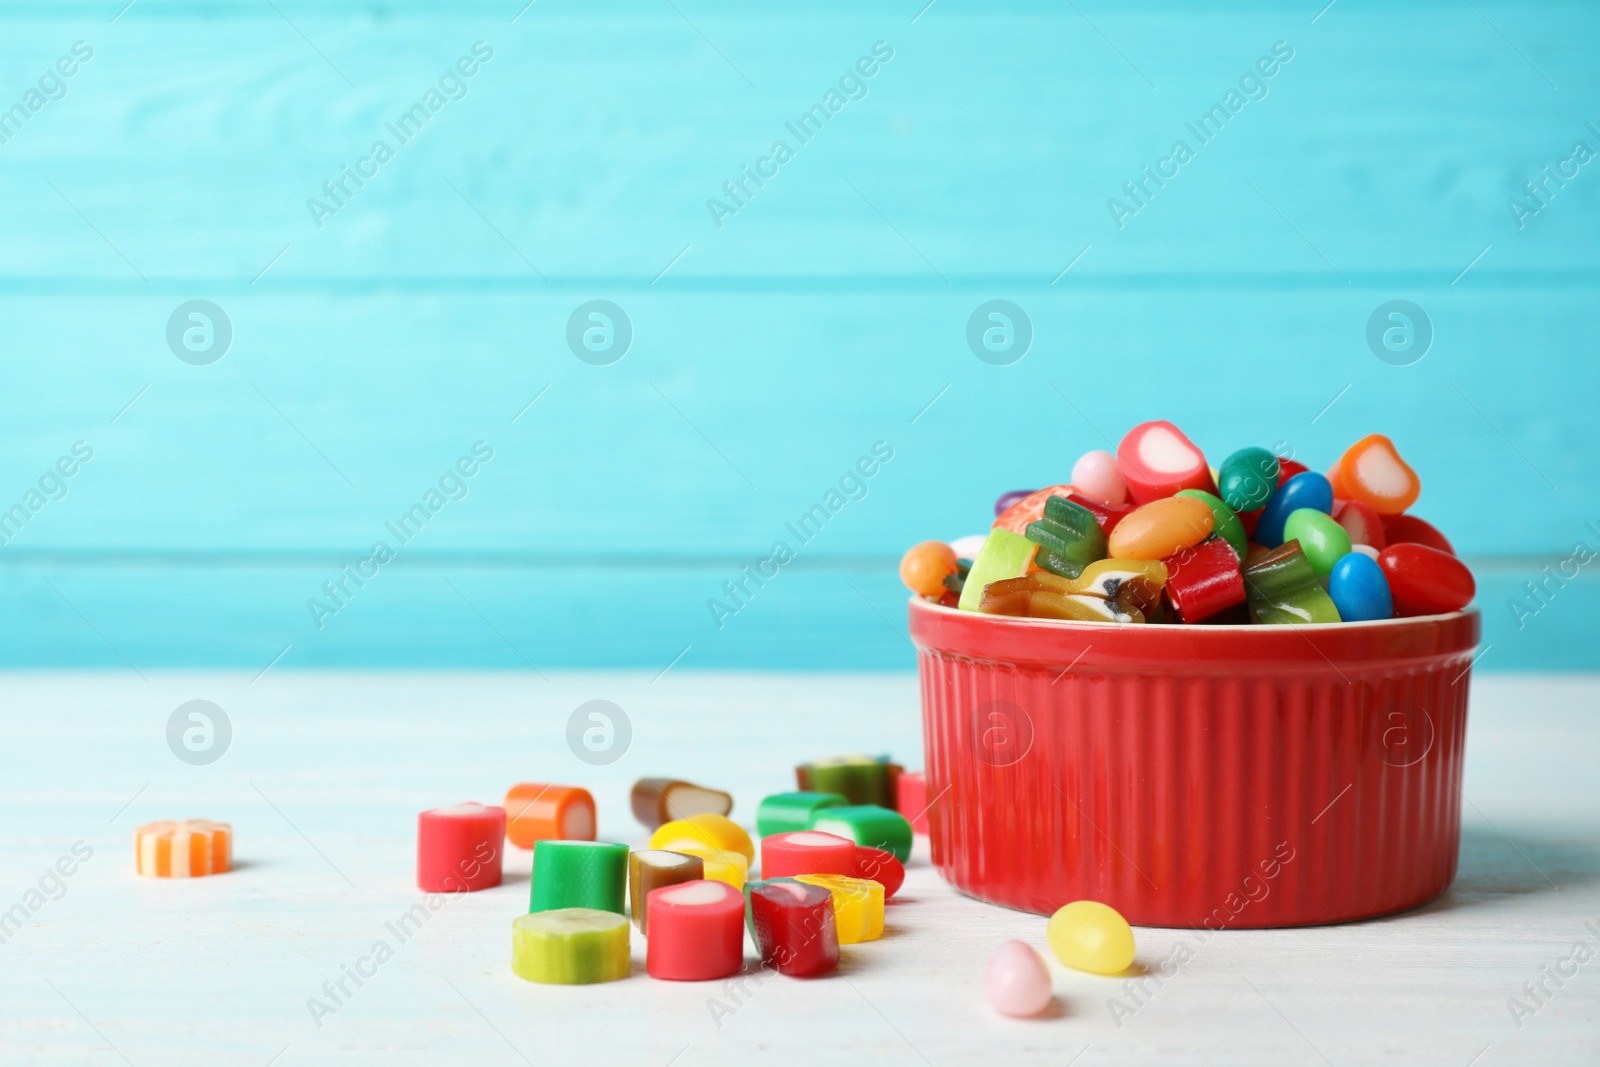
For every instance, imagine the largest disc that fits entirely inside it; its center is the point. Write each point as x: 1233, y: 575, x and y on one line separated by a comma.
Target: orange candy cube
x: 186, y: 848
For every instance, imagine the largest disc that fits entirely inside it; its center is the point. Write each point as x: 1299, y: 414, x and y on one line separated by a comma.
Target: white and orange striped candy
x: 187, y: 848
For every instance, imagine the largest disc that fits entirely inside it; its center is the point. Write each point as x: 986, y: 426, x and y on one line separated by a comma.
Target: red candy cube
x: 1425, y: 581
x: 793, y: 927
x: 1408, y: 529
x: 880, y: 867
x: 1204, y: 581
x: 696, y: 931
x: 459, y: 848
x: 1157, y: 460
x: 806, y: 852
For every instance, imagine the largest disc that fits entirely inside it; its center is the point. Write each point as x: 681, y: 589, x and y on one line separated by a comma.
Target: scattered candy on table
x: 1016, y: 982
x: 1091, y: 936
x: 859, y: 779
x: 570, y: 946
x: 661, y: 800
x: 579, y: 874
x: 781, y: 812
x: 651, y: 869
x: 696, y: 931
x: 806, y: 852
x: 792, y: 926
x: 185, y: 848
x: 459, y: 848
x: 721, y: 865
x: 705, y: 831
x: 536, y: 812
x: 867, y: 824
x: 857, y: 905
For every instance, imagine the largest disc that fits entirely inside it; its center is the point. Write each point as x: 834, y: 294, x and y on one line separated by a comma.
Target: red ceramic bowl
x: 1195, y: 776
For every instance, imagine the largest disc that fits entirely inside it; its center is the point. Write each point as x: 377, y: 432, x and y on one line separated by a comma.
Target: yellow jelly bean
x: 705, y: 831
x: 1092, y: 937
x: 720, y: 866
x: 857, y: 905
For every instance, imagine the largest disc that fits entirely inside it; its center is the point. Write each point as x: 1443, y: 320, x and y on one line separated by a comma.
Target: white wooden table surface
x: 325, y: 774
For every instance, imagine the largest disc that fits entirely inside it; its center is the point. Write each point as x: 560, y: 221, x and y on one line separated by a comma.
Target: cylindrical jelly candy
x: 868, y: 824
x: 1097, y: 475
x: 536, y: 812
x: 857, y: 905
x: 579, y: 874
x: 925, y: 566
x: 654, y: 868
x: 1225, y: 523
x: 1308, y: 490
x: 570, y: 946
x: 1408, y: 529
x: 782, y: 812
x: 1283, y: 589
x: 182, y: 848
x: 1091, y: 936
x: 1004, y: 555
x: 721, y: 865
x: 911, y: 800
x: 1007, y: 499
x: 1030, y: 508
x: 1204, y: 581
x: 1157, y: 460
x: 705, y: 831
x: 459, y: 848
x: 806, y: 852
x: 1038, y: 596
x: 1016, y: 982
x: 881, y: 867
x: 660, y: 800
x: 1161, y: 528
x: 1069, y: 537
x: 1372, y: 472
x: 1107, y: 515
x: 1364, y: 525
x: 1425, y: 581
x: 696, y: 932
x: 1359, y: 590
x: 792, y: 926
x: 1247, y: 479
x: 1322, y: 540
x: 859, y: 779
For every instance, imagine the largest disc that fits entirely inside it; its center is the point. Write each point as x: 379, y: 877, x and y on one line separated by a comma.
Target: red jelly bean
x: 880, y: 867
x: 806, y: 852
x: 1425, y: 581
x: 793, y: 928
x: 459, y: 847
x: 1204, y: 580
x: 911, y: 800
x: 1157, y: 460
x: 1408, y: 529
x: 1288, y: 468
x: 1364, y: 525
x: 1107, y: 515
x: 696, y: 931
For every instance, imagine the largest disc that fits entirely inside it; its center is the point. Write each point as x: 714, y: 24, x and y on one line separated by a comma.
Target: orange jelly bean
x: 924, y: 567
x: 1161, y: 528
x: 1372, y: 472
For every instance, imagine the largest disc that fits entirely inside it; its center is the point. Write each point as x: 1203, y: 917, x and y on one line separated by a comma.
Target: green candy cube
x: 783, y: 813
x: 867, y: 824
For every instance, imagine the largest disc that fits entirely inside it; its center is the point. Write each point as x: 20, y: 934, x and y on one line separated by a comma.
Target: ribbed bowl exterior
x: 1195, y: 776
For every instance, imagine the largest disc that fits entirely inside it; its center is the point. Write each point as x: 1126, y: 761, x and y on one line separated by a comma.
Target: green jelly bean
x: 1282, y: 588
x: 1225, y: 524
x: 1321, y: 538
x: 1247, y: 478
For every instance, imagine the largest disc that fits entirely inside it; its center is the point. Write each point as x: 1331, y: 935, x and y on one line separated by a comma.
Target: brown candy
x: 657, y: 801
x: 653, y: 868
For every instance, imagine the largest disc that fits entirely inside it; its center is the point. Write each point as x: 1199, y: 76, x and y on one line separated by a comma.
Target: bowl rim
x: 922, y: 603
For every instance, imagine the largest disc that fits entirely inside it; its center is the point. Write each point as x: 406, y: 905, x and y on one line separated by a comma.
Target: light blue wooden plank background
x: 769, y: 353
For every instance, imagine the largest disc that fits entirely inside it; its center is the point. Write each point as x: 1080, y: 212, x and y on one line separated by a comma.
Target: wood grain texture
x: 773, y: 351
x: 323, y: 803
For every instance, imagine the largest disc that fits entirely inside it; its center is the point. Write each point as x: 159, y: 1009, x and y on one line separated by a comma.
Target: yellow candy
x: 857, y: 905
x: 570, y: 946
x: 705, y: 831
x: 1092, y: 937
x: 720, y: 866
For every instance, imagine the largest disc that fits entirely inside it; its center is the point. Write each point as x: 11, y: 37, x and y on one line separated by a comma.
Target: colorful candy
x: 1097, y: 475
x: 660, y: 800
x: 653, y: 868
x: 783, y: 812
x: 924, y: 567
x: 1161, y: 528
x: 184, y: 848
x: 859, y: 779
x: 1030, y: 508
x: 1204, y: 581
x: 1425, y: 581
x: 721, y: 865
x: 1041, y: 596
x: 806, y: 852
x: 1157, y: 460
x: 1068, y: 537
x: 1016, y: 982
x: 696, y: 932
x: 880, y: 867
x: 870, y: 825
x: 911, y: 801
x: 1004, y: 555
x: 1132, y: 585
x: 1364, y: 525
x: 579, y: 874
x: 1091, y: 936
x: 1224, y: 522
x: 1283, y: 589
x: 857, y: 905
x: 1107, y: 515
x: 1322, y: 540
x: 1372, y: 472
x: 792, y: 926
x: 1359, y: 590
x: 1408, y: 529
x: 1308, y: 490
x: 707, y: 830
x: 459, y: 847
x: 536, y: 812
x: 570, y: 946
x: 1247, y: 479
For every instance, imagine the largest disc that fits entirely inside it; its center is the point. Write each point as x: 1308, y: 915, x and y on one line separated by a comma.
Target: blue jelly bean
x: 1307, y: 489
x: 1359, y: 590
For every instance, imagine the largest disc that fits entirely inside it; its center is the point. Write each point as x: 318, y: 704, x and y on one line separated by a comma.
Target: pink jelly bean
x: 1016, y: 982
x: 1097, y: 474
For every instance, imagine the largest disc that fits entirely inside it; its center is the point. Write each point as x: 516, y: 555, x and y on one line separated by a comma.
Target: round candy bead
x: 459, y: 847
x: 1092, y: 937
x: 1225, y: 523
x: 1007, y: 499
x: 806, y: 852
x: 1425, y: 581
x: 1322, y: 540
x: 1308, y: 490
x: 570, y: 946
x: 924, y: 567
x: 1359, y: 590
x: 1158, y: 529
x: 1097, y: 474
x: 696, y: 931
x: 705, y: 831
x: 1016, y: 982
x: 1248, y: 478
